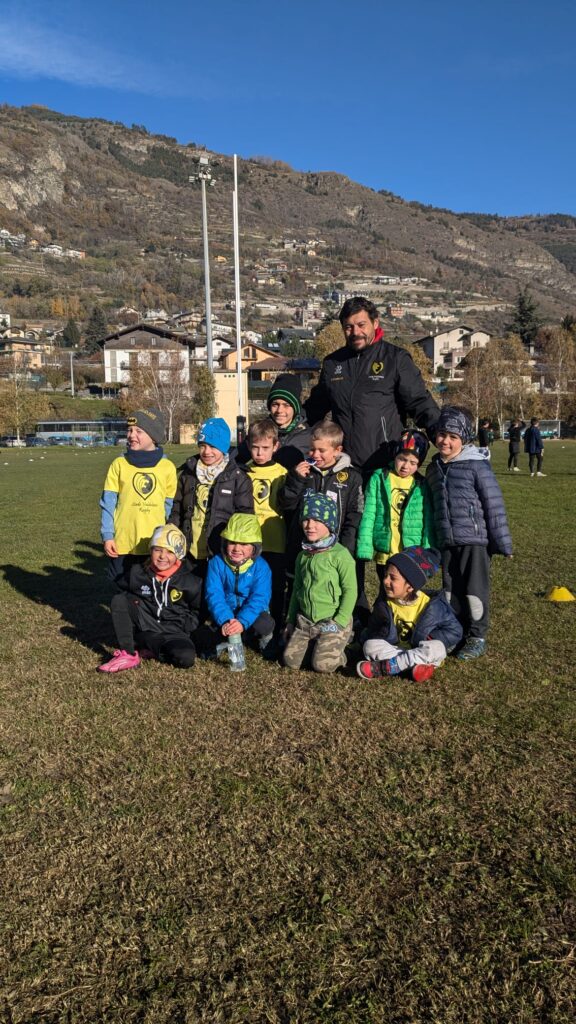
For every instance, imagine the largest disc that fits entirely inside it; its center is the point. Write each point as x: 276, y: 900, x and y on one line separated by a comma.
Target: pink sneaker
x: 120, y: 661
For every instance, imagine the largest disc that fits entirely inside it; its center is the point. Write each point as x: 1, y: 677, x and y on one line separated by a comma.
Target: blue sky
x: 469, y: 107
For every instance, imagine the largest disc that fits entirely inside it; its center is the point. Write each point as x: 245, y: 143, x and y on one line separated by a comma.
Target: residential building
x: 142, y: 346
x: 448, y: 348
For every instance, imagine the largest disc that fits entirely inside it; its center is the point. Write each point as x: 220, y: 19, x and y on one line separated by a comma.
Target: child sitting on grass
x: 158, y: 609
x: 210, y: 489
x: 239, y: 584
x: 325, y: 591
x: 398, y: 509
x: 409, y: 632
x: 138, y: 492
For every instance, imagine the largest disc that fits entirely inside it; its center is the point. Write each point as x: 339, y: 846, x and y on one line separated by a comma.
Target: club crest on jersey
x: 175, y: 595
x: 377, y: 368
x: 262, y: 491
x: 144, y: 484
x: 342, y: 476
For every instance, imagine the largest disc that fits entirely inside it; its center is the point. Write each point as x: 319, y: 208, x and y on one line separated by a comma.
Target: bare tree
x: 160, y: 379
x: 558, y: 347
x: 20, y: 406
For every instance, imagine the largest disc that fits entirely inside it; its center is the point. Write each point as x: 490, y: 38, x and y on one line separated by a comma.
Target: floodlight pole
x: 241, y: 410
x: 204, y: 175
x: 72, y: 373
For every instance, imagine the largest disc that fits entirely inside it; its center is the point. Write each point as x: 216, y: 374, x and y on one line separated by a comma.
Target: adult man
x: 370, y: 387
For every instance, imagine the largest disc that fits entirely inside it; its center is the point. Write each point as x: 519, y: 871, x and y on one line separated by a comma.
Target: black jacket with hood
x: 164, y: 606
x: 231, y: 492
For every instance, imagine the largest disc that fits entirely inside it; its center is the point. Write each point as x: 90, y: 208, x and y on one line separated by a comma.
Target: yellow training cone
x: 560, y: 594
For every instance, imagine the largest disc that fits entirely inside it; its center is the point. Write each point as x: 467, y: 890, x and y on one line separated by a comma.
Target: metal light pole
x: 241, y: 410
x: 72, y: 373
x: 204, y: 176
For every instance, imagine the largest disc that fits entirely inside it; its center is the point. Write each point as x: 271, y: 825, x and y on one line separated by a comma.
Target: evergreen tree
x: 96, y: 329
x: 526, y: 321
x: 71, y: 334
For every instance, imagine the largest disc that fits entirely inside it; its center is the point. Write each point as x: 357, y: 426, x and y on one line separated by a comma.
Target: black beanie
x: 288, y: 387
x: 416, y: 565
x: 150, y: 420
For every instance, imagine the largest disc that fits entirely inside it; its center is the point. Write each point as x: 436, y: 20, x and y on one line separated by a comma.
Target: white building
x: 145, y: 346
x: 448, y: 348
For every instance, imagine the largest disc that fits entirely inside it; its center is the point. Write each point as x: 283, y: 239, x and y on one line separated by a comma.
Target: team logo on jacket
x: 262, y: 491
x: 377, y: 368
x: 145, y: 590
x: 144, y: 484
x: 175, y: 595
x: 342, y: 476
x: 338, y: 371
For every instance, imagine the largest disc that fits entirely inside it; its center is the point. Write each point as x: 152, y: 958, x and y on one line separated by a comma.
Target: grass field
x: 281, y: 847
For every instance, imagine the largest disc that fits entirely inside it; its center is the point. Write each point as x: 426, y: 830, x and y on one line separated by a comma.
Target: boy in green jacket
x: 325, y: 591
x: 398, y: 506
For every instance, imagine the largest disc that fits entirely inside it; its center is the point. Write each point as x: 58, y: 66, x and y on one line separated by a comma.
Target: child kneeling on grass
x: 158, y: 609
x: 324, y: 593
x: 409, y: 632
x: 239, y: 585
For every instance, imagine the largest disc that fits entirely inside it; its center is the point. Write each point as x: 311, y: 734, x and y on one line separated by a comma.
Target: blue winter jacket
x: 437, y: 622
x: 533, y: 443
x: 237, y: 593
x: 468, y: 503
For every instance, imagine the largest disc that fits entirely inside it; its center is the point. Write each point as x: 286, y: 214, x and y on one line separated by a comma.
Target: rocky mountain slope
x: 110, y: 189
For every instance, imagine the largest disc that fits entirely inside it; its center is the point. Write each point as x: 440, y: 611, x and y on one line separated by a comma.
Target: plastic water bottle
x: 236, y: 653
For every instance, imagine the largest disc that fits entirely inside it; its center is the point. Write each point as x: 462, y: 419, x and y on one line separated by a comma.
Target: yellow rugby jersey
x: 267, y: 481
x: 406, y: 615
x: 400, y: 488
x: 140, y: 507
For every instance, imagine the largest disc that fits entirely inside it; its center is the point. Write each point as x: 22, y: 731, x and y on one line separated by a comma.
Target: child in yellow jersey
x: 398, y: 506
x: 138, y: 493
x: 409, y: 632
x: 268, y: 477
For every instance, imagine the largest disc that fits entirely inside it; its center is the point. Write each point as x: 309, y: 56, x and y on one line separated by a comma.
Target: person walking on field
x: 514, y: 438
x: 534, y: 447
x: 370, y: 387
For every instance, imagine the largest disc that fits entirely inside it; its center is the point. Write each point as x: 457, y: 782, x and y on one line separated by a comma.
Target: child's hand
x: 110, y: 549
x: 288, y: 630
x: 232, y: 627
x: 302, y: 469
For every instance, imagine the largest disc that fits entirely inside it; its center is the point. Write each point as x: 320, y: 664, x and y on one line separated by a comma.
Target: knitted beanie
x: 288, y: 387
x: 216, y: 433
x: 151, y: 421
x: 455, y: 421
x: 318, y: 506
x: 416, y: 565
x: 170, y: 537
x: 413, y: 442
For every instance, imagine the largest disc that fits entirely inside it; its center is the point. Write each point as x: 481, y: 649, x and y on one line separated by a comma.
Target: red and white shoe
x: 420, y: 673
x: 120, y: 661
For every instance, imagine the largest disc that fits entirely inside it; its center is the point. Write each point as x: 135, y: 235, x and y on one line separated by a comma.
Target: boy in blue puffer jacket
x: 239, y: 584
x: 470, y: 521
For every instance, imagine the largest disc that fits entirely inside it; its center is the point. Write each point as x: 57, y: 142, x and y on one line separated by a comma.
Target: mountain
x: 114, y: 191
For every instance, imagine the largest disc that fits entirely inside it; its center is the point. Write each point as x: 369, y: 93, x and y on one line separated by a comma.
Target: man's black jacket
x: 370, y: 395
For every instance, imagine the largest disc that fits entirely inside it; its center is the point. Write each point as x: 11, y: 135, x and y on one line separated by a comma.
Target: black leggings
x: 535, y: 460
x: 174, y: 648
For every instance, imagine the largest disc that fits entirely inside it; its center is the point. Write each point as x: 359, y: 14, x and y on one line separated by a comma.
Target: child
x: 470, y: 523
x: 534, y: 447
x: 283, y: 404
x: 159, y: 608
x: 268, y: 478
x: 409, y: 632
x: 210, y: 489
x: 485, y: 435
x: 138, y: 493
x: 325, y: 591
x: 327, y: 471
x: 398, y: 508
x: 239, y: 583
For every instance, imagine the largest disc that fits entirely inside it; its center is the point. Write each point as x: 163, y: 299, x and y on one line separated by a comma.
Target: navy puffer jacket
x: 437, y: 622
x: 468, y: 503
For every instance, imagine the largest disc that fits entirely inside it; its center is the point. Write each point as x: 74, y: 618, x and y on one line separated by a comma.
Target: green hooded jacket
x: 416, y: 519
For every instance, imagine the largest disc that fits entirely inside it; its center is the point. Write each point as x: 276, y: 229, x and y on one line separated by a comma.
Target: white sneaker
x: 532, y: 474
x: 516, y: 470
x: 540, y: 474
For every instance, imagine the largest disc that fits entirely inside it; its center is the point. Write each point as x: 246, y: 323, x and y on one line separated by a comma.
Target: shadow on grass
x: 81, y: 594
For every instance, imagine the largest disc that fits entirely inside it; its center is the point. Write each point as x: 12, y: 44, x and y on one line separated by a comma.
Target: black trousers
x: 174, y: 648
x: 466, y: 581
x: 277, y: 562
x: 535, y: 462
x: 512, y: 455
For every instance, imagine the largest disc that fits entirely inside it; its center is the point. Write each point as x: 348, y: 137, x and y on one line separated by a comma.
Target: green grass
x: 281, y: 847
